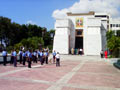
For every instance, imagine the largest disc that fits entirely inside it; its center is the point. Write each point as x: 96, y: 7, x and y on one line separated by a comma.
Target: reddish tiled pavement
x: 46, y: 72
x: 69, y: 88
x: 15, y: 85
x: 96, y: 80
x: 91, y: 75
x: 7, y: 68
x: 97, y: 74
x: 98, y: 67
x: 10, y: 67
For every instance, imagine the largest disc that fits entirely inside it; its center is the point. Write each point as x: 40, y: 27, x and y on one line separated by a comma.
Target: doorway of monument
x: 79, y: 39
x: 79, y: 42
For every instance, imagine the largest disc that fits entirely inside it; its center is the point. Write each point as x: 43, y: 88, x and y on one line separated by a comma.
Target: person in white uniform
x: 57, y: 59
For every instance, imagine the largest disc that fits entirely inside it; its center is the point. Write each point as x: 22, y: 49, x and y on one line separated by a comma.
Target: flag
x: 79, y: 22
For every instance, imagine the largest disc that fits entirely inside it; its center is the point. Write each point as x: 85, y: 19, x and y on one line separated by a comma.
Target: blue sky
x: 40, y: 12
x: 36, y: 11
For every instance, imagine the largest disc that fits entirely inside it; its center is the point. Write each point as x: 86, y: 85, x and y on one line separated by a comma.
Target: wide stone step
x: 117, y: 64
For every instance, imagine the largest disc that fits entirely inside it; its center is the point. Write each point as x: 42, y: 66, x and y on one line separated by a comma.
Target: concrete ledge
x: 117, y: 64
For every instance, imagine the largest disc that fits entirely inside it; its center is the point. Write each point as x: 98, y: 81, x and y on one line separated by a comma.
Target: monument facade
x: 85, y: 31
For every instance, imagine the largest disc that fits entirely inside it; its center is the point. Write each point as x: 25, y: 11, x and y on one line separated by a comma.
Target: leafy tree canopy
x: 113, y: 42
x: 29, y: 35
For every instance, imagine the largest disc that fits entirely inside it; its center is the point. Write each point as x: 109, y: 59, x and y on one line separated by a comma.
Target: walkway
x: 75, y: 73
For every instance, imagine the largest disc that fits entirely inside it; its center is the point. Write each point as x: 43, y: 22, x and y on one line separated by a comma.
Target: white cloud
x: 83, y: 6
x: 31, y: 22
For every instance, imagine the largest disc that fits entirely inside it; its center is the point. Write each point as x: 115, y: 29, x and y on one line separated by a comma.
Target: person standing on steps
x: 101, y: 53
x: 106, y: 53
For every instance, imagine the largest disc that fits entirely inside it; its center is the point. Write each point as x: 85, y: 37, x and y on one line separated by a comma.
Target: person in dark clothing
x: 29, y: 59
x: 4, y: 54
x: 15, y: 58
x: 57, y: 59
x: 54, y: 54
x: 40, y: 53
x: 12, y: 58
x: 24, y: 57
x: 46, y: 56
x: 20, y: 56
x: 35, y: 56
x: 101, y: 53
x: 43, y: 57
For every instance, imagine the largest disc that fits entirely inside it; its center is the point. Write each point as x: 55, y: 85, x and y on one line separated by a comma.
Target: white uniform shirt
x: 80, y: 49
x: 57, y: 56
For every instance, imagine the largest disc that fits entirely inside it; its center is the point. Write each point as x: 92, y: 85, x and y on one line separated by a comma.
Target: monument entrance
x: 79, y: 39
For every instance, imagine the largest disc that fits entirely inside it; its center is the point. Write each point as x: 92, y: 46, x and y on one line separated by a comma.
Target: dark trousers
x: 42, y: 59
x: 35, y: 59
x: 46, y: 60
x: 20, y: 59
x: 4, y: 60
x: 101, y: 55
x: 29, y: 62
x: 57, y: 62
x: 38, y: 57
x: 15, y: 62
x: 80, y: 52
x: 24, y: 60
x: 12, y: 60
x: 53, y: 59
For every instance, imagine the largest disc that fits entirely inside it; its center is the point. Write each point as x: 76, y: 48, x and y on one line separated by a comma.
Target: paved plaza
x: 76, y: 73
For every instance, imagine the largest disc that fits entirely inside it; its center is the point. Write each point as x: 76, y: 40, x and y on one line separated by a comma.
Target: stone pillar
x: 61, y: 38
x: 92, y: 37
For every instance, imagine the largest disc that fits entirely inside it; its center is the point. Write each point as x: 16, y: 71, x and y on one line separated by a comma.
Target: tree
x: 32, y: 43
x: 109, y: 34
x: 4, y: 28
x: 12, y: 33
x: 113, y: 43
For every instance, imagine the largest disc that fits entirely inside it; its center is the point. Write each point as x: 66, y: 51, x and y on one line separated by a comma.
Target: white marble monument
x: 84, y: 30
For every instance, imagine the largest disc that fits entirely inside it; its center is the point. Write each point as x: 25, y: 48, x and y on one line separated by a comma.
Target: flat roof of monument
x: 80, y: 14
x: 89, y: 13
x: 101, y: 13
